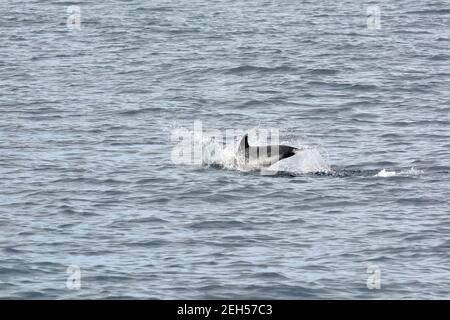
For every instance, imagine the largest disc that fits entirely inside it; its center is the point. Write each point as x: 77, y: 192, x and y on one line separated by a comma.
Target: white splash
x: 307, y: 160
x: 383, y: 173
x: 410, y: 172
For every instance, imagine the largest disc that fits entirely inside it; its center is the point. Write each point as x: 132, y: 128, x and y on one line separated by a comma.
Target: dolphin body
x: 263, y: 156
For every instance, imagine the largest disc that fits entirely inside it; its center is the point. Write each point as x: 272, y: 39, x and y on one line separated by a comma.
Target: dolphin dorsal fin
x: 243, y: 145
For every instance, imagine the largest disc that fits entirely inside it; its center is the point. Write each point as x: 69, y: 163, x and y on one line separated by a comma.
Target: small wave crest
x: 403, y: 173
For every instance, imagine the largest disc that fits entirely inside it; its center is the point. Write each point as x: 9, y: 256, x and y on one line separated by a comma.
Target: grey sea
x: 95, y: 205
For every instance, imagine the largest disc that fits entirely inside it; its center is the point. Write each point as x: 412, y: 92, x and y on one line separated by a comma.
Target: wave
x: 257, y: 69
x: 430, y: 12
x: 323, y: 72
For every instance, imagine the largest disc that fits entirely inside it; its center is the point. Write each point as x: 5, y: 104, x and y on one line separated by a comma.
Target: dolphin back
x: 264, y: 155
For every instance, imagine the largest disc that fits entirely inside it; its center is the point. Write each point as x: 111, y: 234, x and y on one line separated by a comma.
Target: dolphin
x: 263, y: 155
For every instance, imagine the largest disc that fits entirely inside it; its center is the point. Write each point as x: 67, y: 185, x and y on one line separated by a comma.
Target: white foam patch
x: 214, y: 153
x: 307, y: 160
x: 410, y: 172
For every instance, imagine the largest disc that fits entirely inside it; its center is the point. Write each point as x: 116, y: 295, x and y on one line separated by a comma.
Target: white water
x: 410, y: 172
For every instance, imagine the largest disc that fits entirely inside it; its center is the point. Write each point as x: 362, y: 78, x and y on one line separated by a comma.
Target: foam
x: 410, y: 172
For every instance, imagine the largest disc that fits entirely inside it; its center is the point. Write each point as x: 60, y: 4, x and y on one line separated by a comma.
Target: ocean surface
x: 88, y: 177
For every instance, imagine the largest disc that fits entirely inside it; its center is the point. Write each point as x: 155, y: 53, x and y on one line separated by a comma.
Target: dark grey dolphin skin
x: 264, y: 155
